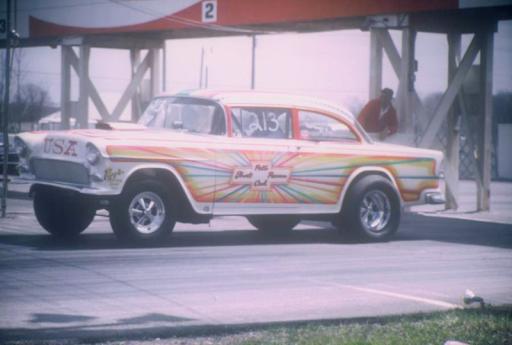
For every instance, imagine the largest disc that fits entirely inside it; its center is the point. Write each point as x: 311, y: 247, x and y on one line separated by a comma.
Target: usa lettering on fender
x: 60, y: 147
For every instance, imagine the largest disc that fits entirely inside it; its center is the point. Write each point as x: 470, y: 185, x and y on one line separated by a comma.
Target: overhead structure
x: 142, y: 26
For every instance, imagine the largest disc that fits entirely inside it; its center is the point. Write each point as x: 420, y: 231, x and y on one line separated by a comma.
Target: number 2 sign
x: 209, y: 11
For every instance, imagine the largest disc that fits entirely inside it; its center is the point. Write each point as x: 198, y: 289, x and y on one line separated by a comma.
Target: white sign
x: 209, y: 11
x: 260, y: 176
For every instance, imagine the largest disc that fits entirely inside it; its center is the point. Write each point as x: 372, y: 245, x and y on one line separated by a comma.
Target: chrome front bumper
x: 435, y: 198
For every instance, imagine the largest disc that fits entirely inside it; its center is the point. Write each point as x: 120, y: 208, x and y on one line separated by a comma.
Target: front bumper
x: 86, y: 190
x: 434, y: 198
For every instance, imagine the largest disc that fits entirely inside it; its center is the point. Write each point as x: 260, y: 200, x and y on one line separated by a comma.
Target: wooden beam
x: 390, y: 49
x: 396, y: 63
x: 485, y: 144
x: 375, y: 64
x: 83, y: 75
x: 93, y: 92
x: 453, y: 132
x: 449, y: 96
x: 132, y: 86
x: 98, y: 102
x: 124, y: 41
x: 65, y: 86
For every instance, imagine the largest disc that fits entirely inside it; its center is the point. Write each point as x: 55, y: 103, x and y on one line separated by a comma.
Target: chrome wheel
x: 375, y: 211
x: 147, y: 212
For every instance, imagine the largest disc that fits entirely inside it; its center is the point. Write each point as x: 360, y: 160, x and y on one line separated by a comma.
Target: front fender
x: 198, y: 207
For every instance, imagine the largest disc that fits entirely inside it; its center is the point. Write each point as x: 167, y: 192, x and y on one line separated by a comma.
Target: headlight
x: 21, y: 148
x: 93, y: 154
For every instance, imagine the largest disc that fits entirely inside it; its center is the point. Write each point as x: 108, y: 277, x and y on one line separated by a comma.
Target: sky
x: 332, y: 65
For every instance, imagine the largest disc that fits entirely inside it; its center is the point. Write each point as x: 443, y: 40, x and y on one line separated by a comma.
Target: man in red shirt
x: 378, y: 116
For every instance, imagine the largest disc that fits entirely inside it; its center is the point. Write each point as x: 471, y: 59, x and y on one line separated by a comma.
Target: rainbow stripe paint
x: 229, y: 176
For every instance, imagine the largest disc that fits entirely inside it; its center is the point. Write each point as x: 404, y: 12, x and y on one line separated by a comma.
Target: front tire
x: 143, y: 213
x: 62, y: 213
x: 371, y: 209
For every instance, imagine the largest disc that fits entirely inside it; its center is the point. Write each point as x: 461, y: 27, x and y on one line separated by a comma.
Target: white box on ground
x: 504, y: 145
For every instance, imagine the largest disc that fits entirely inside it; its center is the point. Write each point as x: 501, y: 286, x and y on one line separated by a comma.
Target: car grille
x: 59, y: 171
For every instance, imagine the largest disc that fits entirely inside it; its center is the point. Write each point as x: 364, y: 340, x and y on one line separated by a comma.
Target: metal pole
x: 253, y: 63
x: 164, y: 68
x: 201, y: 68
x: 6, y: 106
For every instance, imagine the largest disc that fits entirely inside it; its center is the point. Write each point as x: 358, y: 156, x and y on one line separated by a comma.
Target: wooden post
x: 83, y: 75
x: 155, y: 72
x: 65, y: 86
x: 453, y: 134
x: 375, y: 64
x: 485, y: 142
x: 406, y: 80
x: 136, y: 104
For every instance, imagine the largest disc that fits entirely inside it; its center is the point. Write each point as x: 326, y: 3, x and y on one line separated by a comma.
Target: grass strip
x: 486, y: 327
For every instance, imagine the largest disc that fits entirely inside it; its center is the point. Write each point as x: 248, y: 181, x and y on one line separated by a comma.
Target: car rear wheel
x: 371, y: 209
x: 62, y: 213
x: 143, y: 213
x: 273, y: 224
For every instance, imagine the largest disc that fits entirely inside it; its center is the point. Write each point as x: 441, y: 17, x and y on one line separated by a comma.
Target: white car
x: 276, y: 159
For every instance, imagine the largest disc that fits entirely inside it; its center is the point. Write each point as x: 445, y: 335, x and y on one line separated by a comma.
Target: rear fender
x: 364, y: 171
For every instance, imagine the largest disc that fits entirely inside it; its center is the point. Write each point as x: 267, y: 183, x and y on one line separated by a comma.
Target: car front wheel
x: 371, y: 209
x: 143, y: 213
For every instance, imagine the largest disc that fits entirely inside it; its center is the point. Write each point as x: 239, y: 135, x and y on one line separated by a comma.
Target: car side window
x: 261, y: 122
x: 189, y: 117
x: 320, y: 127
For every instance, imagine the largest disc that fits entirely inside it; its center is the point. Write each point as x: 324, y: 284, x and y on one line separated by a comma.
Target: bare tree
x: 32, y: 101
x: 28, y: 102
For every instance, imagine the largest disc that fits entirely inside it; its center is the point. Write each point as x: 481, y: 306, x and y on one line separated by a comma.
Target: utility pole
x: 6, y: 105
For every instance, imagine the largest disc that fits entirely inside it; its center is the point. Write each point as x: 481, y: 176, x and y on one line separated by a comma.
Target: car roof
x: 258, y: 98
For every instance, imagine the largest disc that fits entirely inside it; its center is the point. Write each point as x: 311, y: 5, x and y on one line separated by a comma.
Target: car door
x: 256, y: 162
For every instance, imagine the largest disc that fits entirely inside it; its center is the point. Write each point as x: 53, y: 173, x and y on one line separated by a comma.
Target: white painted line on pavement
x: 404, y: 296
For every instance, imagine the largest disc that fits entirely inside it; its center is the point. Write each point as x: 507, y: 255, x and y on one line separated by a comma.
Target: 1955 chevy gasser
x: 275, y: 159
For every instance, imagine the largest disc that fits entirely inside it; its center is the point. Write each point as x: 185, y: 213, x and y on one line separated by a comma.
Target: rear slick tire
x: 372, y: 209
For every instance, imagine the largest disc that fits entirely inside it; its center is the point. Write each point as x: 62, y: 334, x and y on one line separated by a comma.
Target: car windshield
x: 184, y: 115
